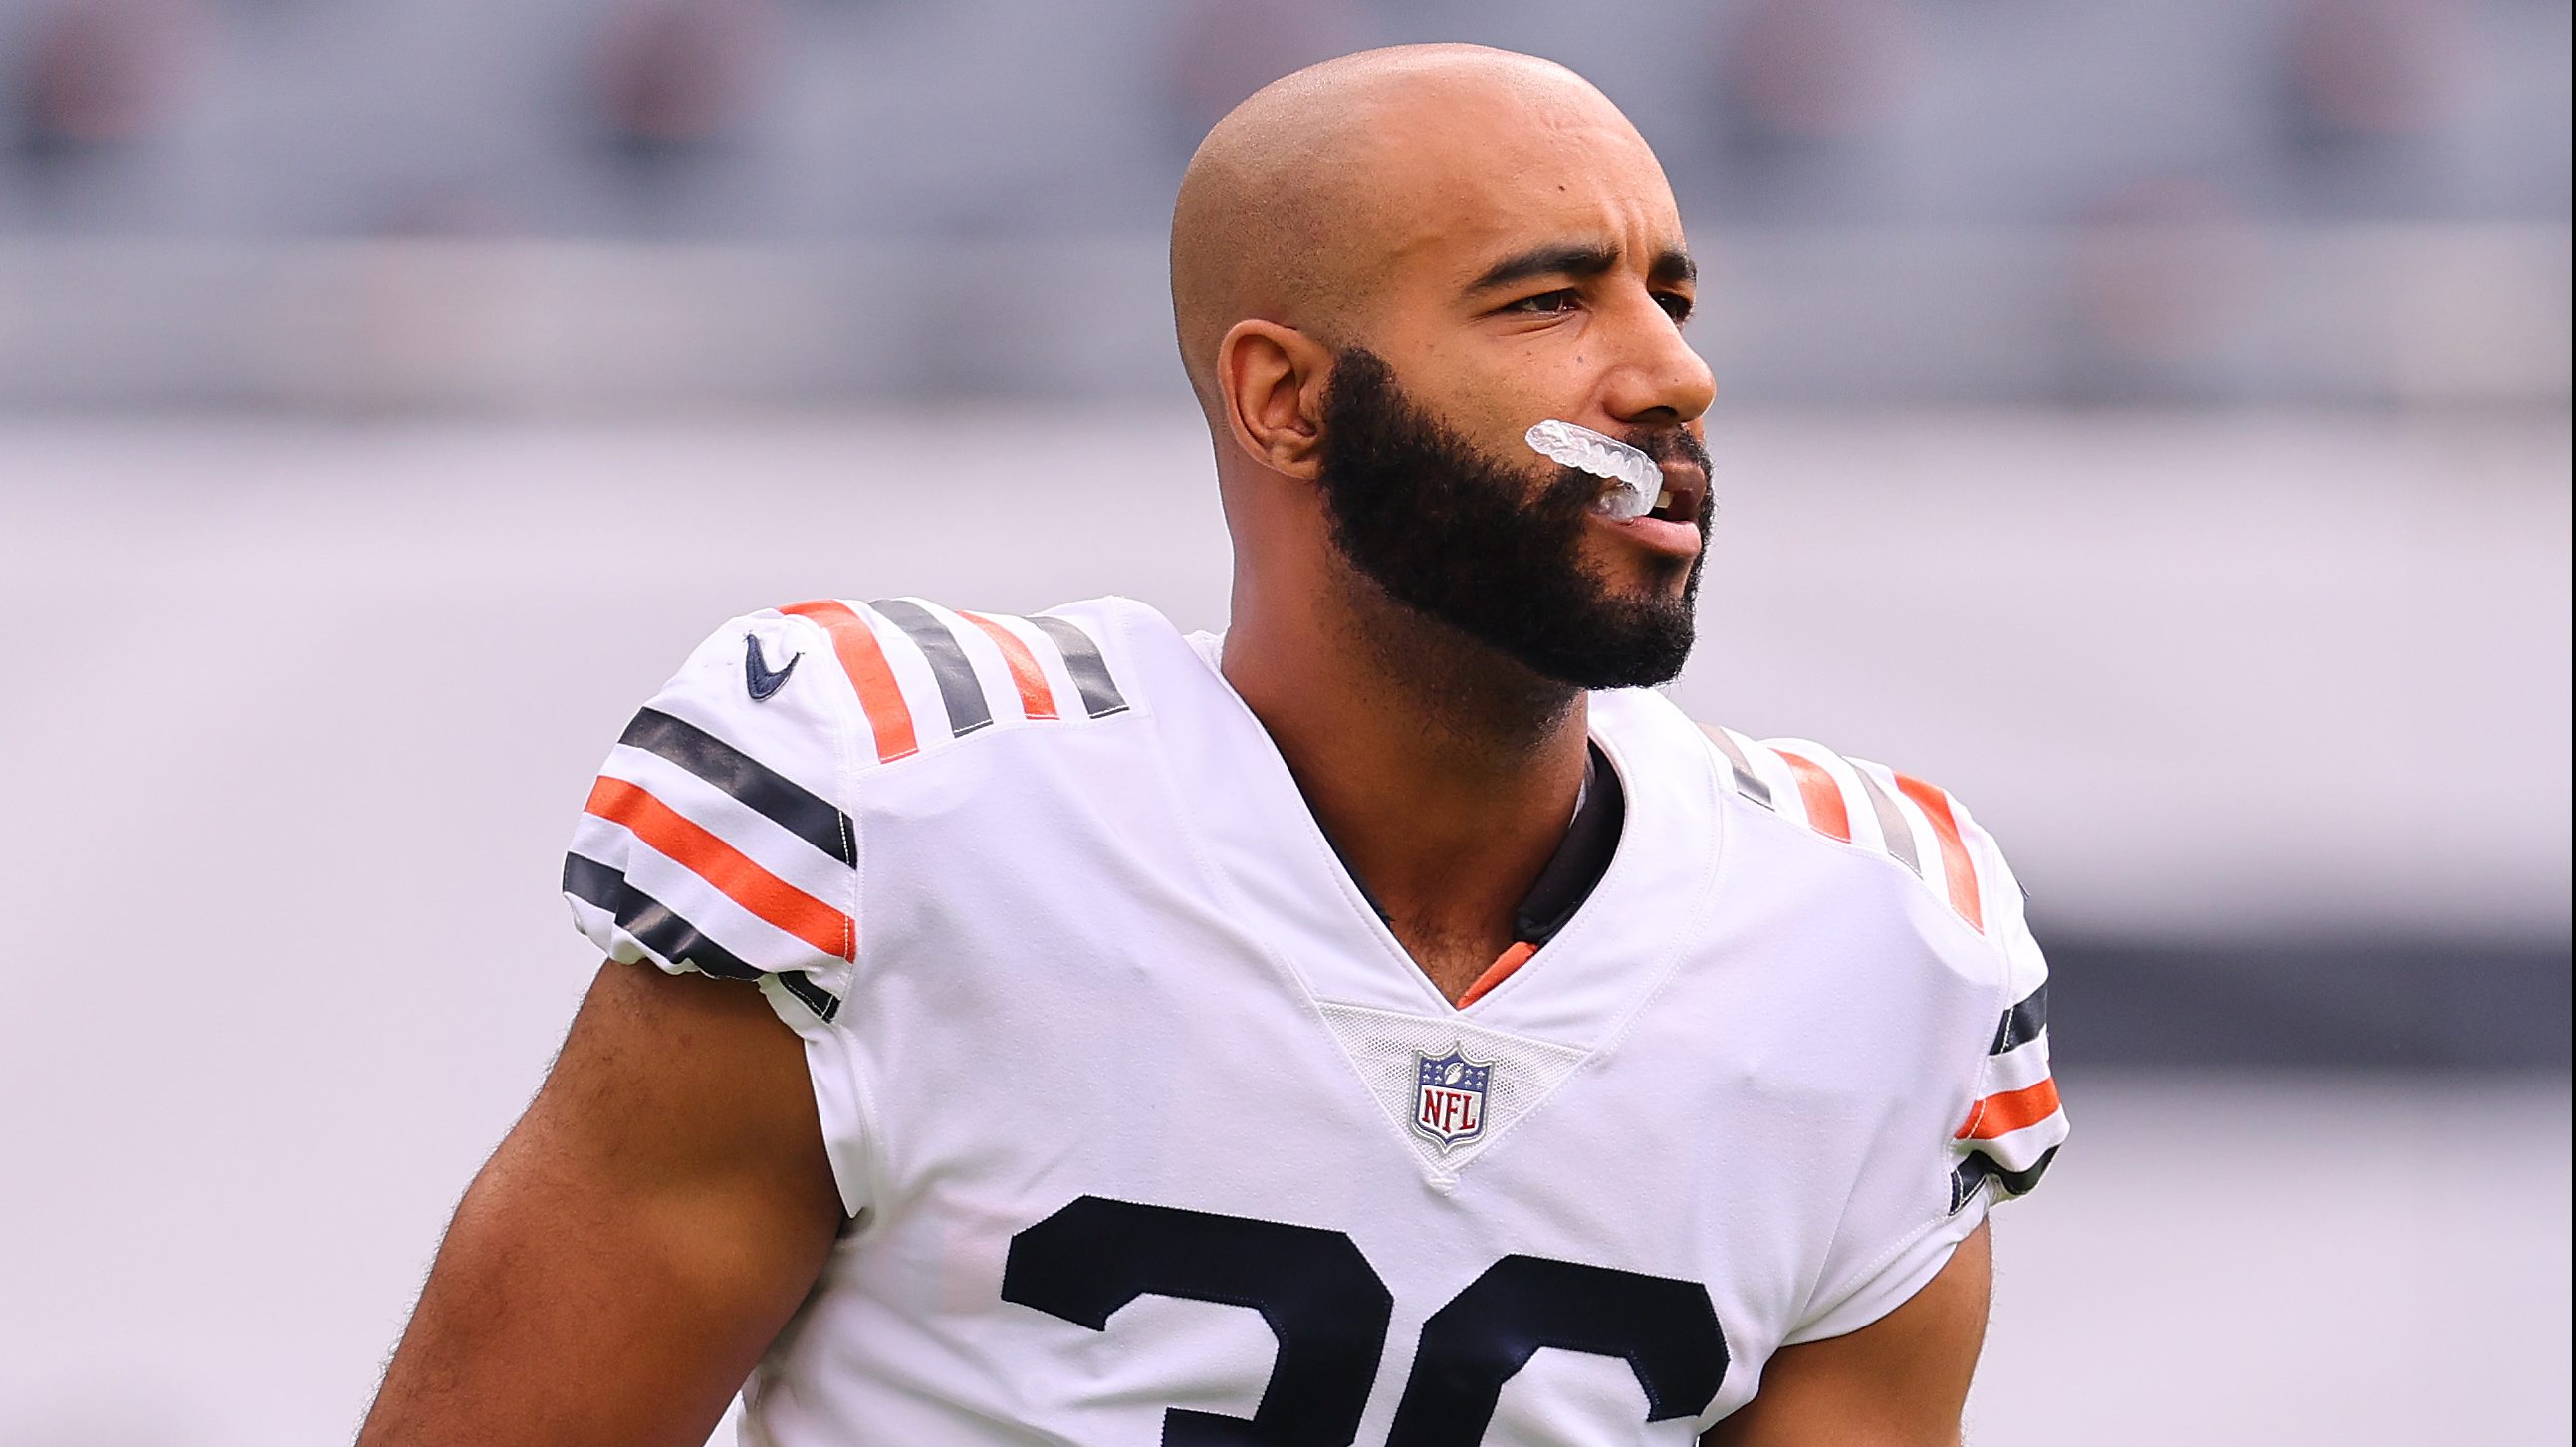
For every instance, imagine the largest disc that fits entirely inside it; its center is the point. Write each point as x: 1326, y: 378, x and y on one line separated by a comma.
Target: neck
x: 1444, y: 771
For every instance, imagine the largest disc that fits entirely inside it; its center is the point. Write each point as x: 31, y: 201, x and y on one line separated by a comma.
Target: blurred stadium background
x: 2151, y: 421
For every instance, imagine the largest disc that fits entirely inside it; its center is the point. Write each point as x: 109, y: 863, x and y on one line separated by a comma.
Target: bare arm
x: 1901, y: 1381
x: 621, y: 1262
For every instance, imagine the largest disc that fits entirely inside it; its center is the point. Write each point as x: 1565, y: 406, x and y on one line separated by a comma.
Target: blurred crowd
x: 774, y: 118
x: 2191, y: 201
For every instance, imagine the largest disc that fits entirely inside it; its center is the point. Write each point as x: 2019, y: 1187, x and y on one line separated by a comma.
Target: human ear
x: 1272, y: 378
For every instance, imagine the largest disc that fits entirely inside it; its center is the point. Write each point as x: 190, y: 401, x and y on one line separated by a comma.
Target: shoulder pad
x: 1870, y: 806
x: 921, y: 675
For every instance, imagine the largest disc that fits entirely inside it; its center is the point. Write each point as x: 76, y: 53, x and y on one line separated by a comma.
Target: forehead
x: 1474, y: 184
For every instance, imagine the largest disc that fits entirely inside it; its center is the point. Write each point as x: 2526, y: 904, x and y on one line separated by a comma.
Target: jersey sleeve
x: 1982, y: 1131
x: 713, y: 841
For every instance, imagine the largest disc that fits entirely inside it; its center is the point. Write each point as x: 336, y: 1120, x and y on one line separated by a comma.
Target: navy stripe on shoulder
x: 814, y: 997
x: 2023, y: 1022
x: 1891, y: 823
x: 1977, y: 1168
x: 1100, y: 695
x: 961, y: 693
x: 789, y: 804
x: 1747, y: 783
x: 666, y: 933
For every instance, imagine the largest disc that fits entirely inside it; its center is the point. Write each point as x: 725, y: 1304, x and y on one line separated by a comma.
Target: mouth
x: 1685, y: 488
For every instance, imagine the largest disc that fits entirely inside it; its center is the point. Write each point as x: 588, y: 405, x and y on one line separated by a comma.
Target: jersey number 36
x: 1329, y: 1309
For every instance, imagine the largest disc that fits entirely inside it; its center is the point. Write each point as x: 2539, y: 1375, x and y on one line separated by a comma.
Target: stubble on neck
x: 1483, y: 710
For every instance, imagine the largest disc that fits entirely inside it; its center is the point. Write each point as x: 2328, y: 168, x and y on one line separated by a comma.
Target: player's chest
x: 1409, y: 1200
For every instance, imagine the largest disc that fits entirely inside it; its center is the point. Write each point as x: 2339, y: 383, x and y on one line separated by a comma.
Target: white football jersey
x: 1149, y: 1131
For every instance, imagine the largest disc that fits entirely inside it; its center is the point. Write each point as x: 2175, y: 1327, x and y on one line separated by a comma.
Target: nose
x: 1657, y: 379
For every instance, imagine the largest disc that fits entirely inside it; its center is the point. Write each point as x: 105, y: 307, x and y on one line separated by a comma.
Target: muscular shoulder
x: 728, y: 827
x: 1925, y: 838
x: 1915, y: 896
x: 903, y: 678
x: 787, y: 711
x: 1951, y: 1019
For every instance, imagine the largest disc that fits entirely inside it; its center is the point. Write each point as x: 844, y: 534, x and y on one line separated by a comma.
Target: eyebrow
x: 1579, y: 260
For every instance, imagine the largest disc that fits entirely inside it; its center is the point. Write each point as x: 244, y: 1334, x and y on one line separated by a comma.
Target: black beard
x: 1458, y: 537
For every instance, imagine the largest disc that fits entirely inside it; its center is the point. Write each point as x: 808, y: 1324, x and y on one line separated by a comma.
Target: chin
x: 1653, y: 578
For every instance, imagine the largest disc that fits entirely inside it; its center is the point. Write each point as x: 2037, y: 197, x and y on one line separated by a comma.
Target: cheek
x: 1493, y: 416
x: 1500, y: 411
x: 1490, y: 395
x: 1561, y: 384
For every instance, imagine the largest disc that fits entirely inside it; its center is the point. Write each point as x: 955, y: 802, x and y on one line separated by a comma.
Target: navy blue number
x: 1328, y: 1308
x: 1666, y: 1330
x: 1323, y: 1301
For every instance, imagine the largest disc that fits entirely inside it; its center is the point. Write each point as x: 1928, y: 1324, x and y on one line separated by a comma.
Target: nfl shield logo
x: 1449, y: 1096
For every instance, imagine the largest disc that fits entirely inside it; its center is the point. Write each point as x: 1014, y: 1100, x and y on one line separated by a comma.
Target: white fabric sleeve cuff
x: 1906, y: 1271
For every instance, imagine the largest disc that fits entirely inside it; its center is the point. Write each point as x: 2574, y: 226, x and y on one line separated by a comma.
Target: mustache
x: 1669, y: 444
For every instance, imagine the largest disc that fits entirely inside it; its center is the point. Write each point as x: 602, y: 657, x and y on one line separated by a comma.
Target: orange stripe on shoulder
x: 864, y: 660
x: 1955, y: 865
x: 731, y: 872
x: 1037, y: 696
x: 1825, y: 808
x: 2001, y: 1115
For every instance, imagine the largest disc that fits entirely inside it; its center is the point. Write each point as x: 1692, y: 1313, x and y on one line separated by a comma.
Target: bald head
x: 1302, y: 205
x: 1385, y: 270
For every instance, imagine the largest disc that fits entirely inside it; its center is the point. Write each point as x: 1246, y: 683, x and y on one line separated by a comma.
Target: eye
x: 1546, y: 302
x: 1675, y: 305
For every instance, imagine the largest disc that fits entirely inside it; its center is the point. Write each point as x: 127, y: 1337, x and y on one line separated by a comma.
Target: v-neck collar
x: 1568, y: 877
x: 1287, y: 885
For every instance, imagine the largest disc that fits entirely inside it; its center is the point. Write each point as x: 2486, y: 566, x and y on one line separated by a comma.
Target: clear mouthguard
x: 1640, y: 479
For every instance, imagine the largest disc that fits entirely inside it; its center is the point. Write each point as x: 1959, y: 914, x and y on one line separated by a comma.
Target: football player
x: 1388, y: 1022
